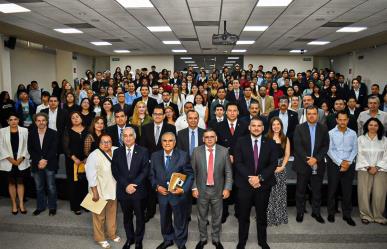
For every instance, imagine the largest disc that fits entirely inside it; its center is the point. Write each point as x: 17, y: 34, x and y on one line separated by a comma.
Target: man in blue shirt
x: 341, y: 166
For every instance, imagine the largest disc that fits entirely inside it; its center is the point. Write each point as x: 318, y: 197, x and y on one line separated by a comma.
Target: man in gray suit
x: 213, y: 182
x: 307, y: 100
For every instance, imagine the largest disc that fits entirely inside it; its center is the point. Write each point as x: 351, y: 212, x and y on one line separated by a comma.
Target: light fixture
x: 101, y: 43
x: 195, y: 67
x: 135, y: 3
x: 273, y: 3
x: 186, y: 58
x: 255, y: 28
x: 69, y: 31
x: 298, y: 51
x: 171, y: 42
x: 179, y: 50
x: 238, y: 50
x: 121, y: 51
x: 244, y: 42
x: 230, y: 61
x: 159, y: 28
x: 8, y: 8
x: 233, y: 58
x: 351, y: 29
x: 318, y: 42
x: 189, y: 62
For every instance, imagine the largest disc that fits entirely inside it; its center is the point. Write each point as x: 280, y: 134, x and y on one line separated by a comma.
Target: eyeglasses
x: 106, y: 142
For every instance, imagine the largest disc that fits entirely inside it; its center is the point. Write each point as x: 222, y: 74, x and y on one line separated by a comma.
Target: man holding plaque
x: 165, y: 164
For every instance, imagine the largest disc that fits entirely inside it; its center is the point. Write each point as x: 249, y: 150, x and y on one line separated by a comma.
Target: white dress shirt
x: 258, y: 143
x: 52, y: 119
x: 285, y: 120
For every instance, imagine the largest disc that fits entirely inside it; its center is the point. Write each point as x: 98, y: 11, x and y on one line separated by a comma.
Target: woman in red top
x: 276, y: 93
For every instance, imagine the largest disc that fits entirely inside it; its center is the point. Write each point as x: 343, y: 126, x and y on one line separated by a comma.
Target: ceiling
x: 290, y: 27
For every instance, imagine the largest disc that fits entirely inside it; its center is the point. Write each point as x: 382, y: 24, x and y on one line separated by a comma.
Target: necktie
x: 121, y: 134
x: 256, y: 156
x: 232, y: 130
x: 157, y: 135
x: 129, y: 158
x: 248, y: 103
x: 210, y: 168
x: 191, y: 148
x: 167, y: 162
x: 237, y: 94
x: 221, y: 102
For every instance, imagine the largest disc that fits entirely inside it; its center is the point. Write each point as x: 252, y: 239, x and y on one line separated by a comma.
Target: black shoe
x: 240, y: 246
x: 128, y: 243
x: 189, y: 219
x: 305, y: 211
x: 201, y: 244
x: 182, y: 247
x: 37, y: 212
x: 23, y: 212
x: 15, y: 212
x: 208, y: 222
x: 165, y: 245
x: 52, y: 212
x: 318, y: 218
x: 138, y: 245
x: 148, y: 217
x: 300, y: 218
x: 217, y: 245
x: 78, y: 212
x: 349, y: 221
x: 264, y: 245
x: 331, y: 218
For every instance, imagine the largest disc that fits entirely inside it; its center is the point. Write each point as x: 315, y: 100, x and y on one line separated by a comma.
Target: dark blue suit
x: 170, y: 203
x: 132, y: 203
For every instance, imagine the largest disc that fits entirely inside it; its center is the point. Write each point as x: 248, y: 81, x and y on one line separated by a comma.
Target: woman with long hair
x: 86, y: 112
x: 111, y: 95
x: 140, y: 116
x: 70, y: 104
x: 277, y: 209
x: 170, y: 115
x: 276, y: 93
x: 56, y: 91
x: 107, y: 112
x: 177, y: 98
x: 95, y: 131
x: 66, y: 88
x: 96, y: 105
x: 192, y: 94
x: 201, y: 107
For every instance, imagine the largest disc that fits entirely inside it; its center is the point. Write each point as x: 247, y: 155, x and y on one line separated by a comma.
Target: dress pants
x: 210, y: 199
x: 151, y: 200
x: 258, y: 198
x: 177, y: 232
x: 136, y: 207
x: 345, y: 179
x: 107, y: 218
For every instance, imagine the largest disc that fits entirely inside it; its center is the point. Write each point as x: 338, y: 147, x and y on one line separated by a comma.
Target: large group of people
x: 230, y: 135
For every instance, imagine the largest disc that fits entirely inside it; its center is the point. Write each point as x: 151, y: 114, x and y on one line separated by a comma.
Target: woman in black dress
x: 73, y: 142
x: 86, y: 112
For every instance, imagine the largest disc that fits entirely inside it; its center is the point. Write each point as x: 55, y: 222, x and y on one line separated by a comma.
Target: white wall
x: 81, y: 64
x: 102, y: 63
x: 295, y: 62
x: 140, y: 61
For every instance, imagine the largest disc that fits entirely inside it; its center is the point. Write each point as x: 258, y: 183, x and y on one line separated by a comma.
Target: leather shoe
x: 138, y: 245
x: 318, y: 218
x: 240, y: 246
x: 165, y: 245
x: 264, y: 245
x: 217, y: 245
x: 349, y: 221
x: 37, y: 212
x: 224, y: 218
x: 331, y: 218
x: 300, y: 218
x: 201, y: 244
x: 52, y: 212
x: 127, y: 244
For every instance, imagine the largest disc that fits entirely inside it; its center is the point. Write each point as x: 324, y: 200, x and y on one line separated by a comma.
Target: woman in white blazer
x: 14, y: 158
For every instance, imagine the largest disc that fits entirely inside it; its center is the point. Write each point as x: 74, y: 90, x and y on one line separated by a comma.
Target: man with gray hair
x: 372, y: 112
x: 307, y: 101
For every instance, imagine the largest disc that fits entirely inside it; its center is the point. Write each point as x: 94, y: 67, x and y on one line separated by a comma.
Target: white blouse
x: 201, y: 109
x: 371, y: 152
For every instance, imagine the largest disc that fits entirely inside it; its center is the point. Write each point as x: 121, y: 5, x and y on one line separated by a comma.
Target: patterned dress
x: 277, y: 210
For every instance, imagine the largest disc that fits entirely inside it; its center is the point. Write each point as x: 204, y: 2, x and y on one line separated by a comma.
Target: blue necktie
x: 192, y: 147
x: 167, y: 162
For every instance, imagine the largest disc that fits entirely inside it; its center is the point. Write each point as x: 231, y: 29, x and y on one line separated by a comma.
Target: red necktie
x: 232, y: 129
x: 210, y: 168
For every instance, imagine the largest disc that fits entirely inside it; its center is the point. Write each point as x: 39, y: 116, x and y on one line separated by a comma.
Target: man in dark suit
x: 236, y: 93
x: 163, y: 163
x: 255, y: 111
x: 44, y: 163
x: 116, y: 131
x: 167, y: 102
x: 151, y: 103
x: 219, y: 116
x: 339, y: 106
x: 311, y: 143
x: 175, y: 79
x: 192, y: 136
x: 151, y: 139
x: 359, y: 93
x: 245, y: 101
x: 255, y: 162
x: 352, y: 108
x: 220, y: 100
x: 121, y: 105
x: 130, y: 168
x: 98, y: 83
x: 342, y: 88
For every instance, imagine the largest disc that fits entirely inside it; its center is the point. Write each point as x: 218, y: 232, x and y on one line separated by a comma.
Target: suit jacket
x: 113, y: 132
x: 183, y: 139
x: 148, y: 139
x: 362, y: 97
x: 265, y: 121
x: 224, y: 134
x: 302, y: 147
x: 151, y: 104
x: 160, y: 176
x: 173, y: 105
x: 6, y: 149
x: 321, y: 115
x: 356, y: 113
x: 243, y: 108
x: 292, y: 121
x: 331, y: 122
x: 222, y: 169
x: 62, y: 120
x: 127, y: 109
x: 213, y: 123
x: 48, y: 151
x: 137, y: 174
x: 269, y: 104
x: 231, y: 95
x: 344, y: 91
x: 213, y: 107
x: 245, y: 165
x: 172, y: 81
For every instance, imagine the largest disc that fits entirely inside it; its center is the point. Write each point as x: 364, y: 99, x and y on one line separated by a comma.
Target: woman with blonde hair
x: 140, y: 116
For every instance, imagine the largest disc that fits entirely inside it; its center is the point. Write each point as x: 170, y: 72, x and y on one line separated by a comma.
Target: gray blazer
x: 222, y: 169
x: 321, y: 115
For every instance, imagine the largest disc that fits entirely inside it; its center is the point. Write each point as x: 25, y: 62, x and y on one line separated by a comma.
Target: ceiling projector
x: 225, y: 38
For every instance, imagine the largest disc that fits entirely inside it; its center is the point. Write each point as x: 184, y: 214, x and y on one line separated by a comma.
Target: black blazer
x: 224, y: 134
x: 244, y: 162
x: 302, y: 148
x: 148, y: 139
x: 173, y: 105
x: 49, y: 150
x: 127, y: 109
x: 151, y: 104
x: 292, y: 121
x: 138, y: 173
x: 230, y: 96
x: 113, y: 132
x: 183, y: 139
x: 62, y: 120
x: 172, y: 81
x: 242, y: 106
x: 331, y: 122
x: 361, y: 99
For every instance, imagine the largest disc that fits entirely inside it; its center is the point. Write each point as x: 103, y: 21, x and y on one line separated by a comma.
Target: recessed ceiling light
x: 179, y: 50
x: 135, y: 3
x: 352, y: 29
x: 233, y: 58
x: 238, y: 50
x: 12, y: 8
x: 244, y: 42
x: 230, y: 61
x: 273, y: 3
x: 186, y: 58
x: 160, y: 28
x: 171, y: 42
x: 195, y: 67
x: 190, y: 62
x: 101, y: 43
x: 69, y: 31
x: 298, y: 51
x: 121, y: 51
x: 318, y: 42
x: 255, y: 28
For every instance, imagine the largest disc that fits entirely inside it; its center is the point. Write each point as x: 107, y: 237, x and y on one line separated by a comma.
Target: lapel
x: 8, y: 138
x: 317, y: 138
x: 217, y: 160
x: 250, y: 152
x: 261, y: 151
x: 152, y: 134
x: 134, y: 157
x: 44, y: 140
x: 203, y: 159
x: 20, y: 149
x: 174, y: 159
x: 307, y: 137
x: 200, y: 136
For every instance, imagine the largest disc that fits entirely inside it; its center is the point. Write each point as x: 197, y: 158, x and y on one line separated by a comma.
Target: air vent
x: 112, y: 40
x: 336, y: 24
x: 188, y: 39
x: 304, y: 40
x: 80, y: 25
x: 207, y: 48
x: 206, y: 23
